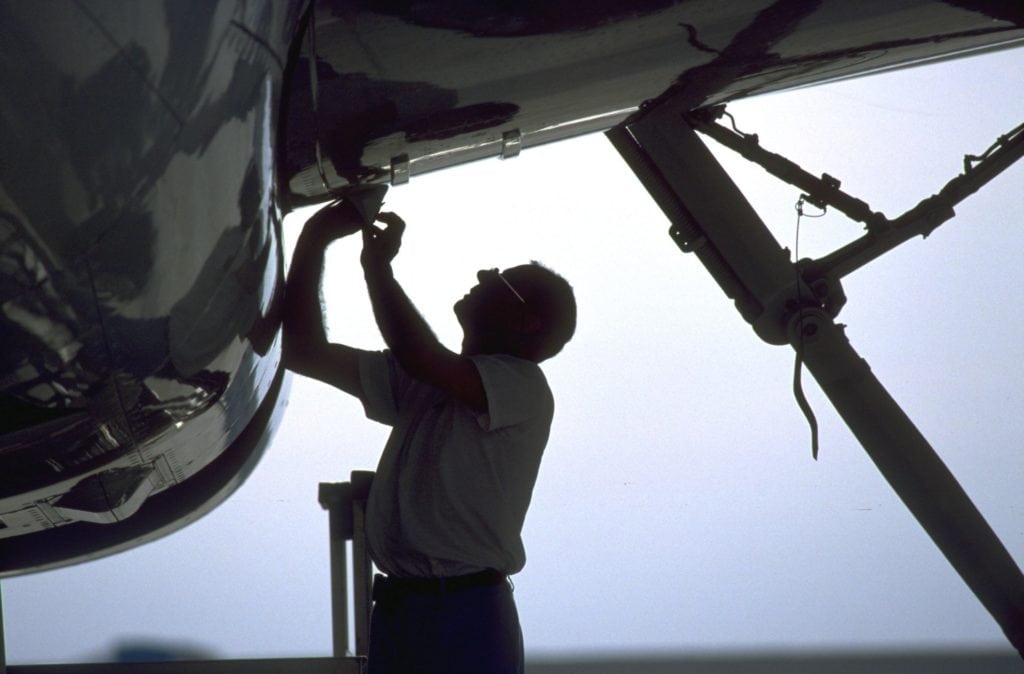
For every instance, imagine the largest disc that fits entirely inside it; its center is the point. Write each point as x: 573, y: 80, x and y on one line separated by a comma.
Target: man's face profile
x: 491, y: 303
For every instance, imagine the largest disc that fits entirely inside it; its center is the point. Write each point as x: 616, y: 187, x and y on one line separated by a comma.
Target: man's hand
x: 380, y: 246
x: 335, y: 220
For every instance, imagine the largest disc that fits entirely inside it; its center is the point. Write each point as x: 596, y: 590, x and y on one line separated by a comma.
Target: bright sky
x: 678, y: 507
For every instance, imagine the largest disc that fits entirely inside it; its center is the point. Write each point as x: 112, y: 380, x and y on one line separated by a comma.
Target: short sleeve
x: 516, y: 391
x: 380, y: 378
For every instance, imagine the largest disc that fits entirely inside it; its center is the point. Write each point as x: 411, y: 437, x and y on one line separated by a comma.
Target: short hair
x: 550, y: 297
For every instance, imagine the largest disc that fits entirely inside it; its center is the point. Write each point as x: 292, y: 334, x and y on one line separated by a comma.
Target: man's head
x: 527, y: 311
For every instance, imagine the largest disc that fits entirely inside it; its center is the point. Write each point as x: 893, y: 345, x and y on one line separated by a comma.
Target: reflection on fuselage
x: 142, y: 268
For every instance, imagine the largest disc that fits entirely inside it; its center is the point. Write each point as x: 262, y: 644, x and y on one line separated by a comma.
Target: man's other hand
x: 380, y: 245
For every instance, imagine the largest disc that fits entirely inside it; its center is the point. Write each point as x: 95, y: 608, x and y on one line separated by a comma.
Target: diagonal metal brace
x: 928, y: 214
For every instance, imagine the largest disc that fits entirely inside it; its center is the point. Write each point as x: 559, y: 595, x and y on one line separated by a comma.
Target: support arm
x: 915, y: 472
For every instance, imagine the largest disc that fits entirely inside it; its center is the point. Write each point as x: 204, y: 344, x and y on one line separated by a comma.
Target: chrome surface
x: 443, y: 81
x: 140, y: 266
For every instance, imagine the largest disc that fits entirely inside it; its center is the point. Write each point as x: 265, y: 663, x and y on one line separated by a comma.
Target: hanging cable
x: 314, y: 85
x: 798, y: 389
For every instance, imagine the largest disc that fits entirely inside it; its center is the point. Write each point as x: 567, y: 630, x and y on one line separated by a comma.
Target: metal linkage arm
x: 821, y: 192
x: 883, y: 234
x: 925, y: 216
x: 345, y: 503
x: 709, y: 211
x: 3, y: 649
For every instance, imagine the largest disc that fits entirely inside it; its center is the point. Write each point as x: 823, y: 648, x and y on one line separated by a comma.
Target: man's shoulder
x: 516, y: 389
x: 505, y: 365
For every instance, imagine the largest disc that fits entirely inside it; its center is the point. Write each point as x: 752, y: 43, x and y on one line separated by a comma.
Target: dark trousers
x: 440, y: 629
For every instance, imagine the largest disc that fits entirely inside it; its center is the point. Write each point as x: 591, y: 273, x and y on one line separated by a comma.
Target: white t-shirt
x: 453, y: 486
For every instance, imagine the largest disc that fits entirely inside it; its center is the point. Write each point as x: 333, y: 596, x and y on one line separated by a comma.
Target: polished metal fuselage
x: 141, y: 266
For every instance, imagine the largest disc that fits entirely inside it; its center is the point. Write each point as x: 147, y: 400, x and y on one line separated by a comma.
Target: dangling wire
x: 314, y: 85
x: 798, y: 389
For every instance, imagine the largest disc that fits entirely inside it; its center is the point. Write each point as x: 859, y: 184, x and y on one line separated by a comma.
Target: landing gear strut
x: 794, y: 303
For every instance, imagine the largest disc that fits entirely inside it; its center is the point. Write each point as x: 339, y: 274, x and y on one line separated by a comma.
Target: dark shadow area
x: 832, y: 662
x: 999, y: 10
x: 153, y: 650
x: 353, y: 110
x: 502, y: 18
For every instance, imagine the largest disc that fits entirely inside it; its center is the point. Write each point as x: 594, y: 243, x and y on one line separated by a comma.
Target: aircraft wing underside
x: 401, y: 89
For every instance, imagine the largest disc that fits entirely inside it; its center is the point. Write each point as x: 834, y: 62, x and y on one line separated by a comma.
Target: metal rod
x: 916, y: 473
x: 883, y: 234
x: 362, y: 570
x: 314, y: 90
x: 336, y: 498
x: 3, y: 648
x: 821, y: 191
x: 923, y: 218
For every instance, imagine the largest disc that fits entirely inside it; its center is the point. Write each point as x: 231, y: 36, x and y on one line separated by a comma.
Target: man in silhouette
x: 455, y: 479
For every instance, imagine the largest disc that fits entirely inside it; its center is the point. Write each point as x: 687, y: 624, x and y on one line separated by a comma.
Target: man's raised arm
x: 410, y: 339
x: 306, y: 349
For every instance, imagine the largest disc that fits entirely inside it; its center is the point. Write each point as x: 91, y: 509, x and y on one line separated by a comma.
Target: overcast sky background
x: 678, y: 508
